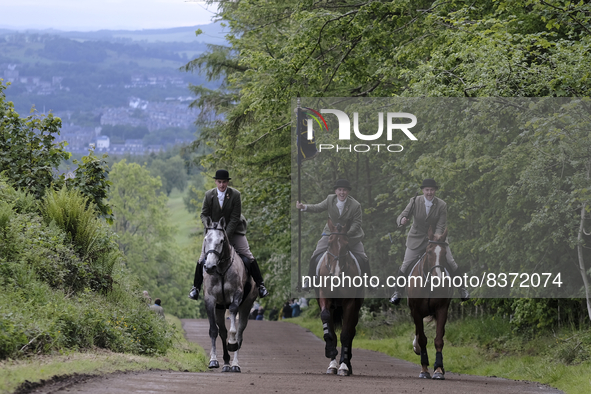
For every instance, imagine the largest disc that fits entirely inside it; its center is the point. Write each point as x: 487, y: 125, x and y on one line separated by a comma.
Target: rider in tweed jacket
x: 342, y: 209
x: 427, y: 211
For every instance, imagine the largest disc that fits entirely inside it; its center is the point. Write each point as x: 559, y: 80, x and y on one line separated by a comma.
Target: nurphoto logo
x: 392, y: 124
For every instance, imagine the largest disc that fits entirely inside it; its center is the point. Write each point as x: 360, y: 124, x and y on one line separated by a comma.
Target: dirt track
x: 282, y: 357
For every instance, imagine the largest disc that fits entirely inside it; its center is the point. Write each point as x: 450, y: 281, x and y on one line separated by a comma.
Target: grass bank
x: 183, y: 356
x: 484, y: 346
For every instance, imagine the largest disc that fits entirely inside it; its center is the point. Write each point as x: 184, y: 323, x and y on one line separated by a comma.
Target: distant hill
x: 87, y: 71
x: 213, y: 33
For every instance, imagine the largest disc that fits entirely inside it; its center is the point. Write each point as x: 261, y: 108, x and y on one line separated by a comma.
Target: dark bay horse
x: 424, y: 301
x: 339, y: 305
x: 227, y: 285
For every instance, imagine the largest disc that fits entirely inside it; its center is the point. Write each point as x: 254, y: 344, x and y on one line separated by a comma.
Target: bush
x: 39, y: 320
x: 94, y: 245
x: 62, y: 282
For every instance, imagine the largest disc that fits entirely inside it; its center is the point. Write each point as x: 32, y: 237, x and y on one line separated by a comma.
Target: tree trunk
x: 582, y: 269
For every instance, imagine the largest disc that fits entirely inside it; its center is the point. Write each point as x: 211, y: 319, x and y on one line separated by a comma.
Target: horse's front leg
x: 441, y: 317
x: 350, y: 319
x: 232, y: 343
x: 242, y: 322
x: 330, y: 349
x: 221, y: 319
x: 213, y: 331
x: 234, y: 306
x: 421, y: 341
x: 233, y: 347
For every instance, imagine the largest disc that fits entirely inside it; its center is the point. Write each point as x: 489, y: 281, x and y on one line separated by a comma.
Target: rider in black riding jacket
x: 224, y: 201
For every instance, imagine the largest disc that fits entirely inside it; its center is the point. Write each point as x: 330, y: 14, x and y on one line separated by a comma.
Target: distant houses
x: 80, y: 139
x: 171, y: 112
x: 153, y: 115
x: 130, y: 147
x: 102, y: 142
x: 36, y: 85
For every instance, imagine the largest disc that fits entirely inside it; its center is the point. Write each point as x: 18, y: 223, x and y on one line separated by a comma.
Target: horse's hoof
x: 236, y: 368
x: 213, y: 364
x: 232, y: 347
x: 332, y: 367
x: 344, y: 372
x: 425, y: 375
x: 438, y: 376
x: 226, y: 368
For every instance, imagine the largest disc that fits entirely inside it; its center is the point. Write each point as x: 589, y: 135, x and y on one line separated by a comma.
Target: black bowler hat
x: 222, y: 174
x: 342, y: 183
x: 429, y: 183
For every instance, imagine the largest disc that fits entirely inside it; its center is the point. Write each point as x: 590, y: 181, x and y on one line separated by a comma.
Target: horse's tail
x: 337, y: 317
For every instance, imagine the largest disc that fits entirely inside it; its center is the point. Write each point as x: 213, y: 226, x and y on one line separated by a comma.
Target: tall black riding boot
x: 197, y: 281
x: 255, y: 272
x: 364, y: 265
x: 306, y: 286
x: 398, y: 292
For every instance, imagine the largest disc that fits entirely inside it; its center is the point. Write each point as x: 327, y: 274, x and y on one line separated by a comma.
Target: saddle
x: 357, y: 260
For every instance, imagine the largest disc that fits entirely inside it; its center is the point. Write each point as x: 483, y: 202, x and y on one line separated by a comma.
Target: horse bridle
x: 335, y: 257
x: 219, y: 255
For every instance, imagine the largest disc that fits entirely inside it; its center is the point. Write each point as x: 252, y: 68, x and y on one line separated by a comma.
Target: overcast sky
x: 88, y: 15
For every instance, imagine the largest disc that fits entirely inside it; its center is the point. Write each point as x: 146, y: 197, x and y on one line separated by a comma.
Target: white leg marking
x: 332, y: 367
x: 235, y: 360
x: 212, y: 352
x: 415, y: 345
x: 232, y: 332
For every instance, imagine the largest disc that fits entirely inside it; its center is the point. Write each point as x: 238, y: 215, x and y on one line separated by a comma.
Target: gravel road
x: 280, y: 357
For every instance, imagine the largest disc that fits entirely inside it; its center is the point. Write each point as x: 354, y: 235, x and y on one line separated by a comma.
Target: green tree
x: 172, y: 173
x: 146, y: 237
x: 282, y: 49
x: 28, y: 151
x: 91, y: 180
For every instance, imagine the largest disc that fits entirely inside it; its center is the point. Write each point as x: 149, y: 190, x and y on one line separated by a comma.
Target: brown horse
x: 339, y: 300
x: 432, y: 299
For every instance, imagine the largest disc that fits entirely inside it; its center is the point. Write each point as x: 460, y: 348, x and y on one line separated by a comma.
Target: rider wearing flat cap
x: 427, y: 210
x: 224, y: 201
x: 342, y: 209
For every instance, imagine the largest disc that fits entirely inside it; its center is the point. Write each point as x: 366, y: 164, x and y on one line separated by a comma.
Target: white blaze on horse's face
x: 214, y: 240
x: 438, y: 271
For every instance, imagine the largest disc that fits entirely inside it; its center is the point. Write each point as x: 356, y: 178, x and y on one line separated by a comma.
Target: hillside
x: 83, y: 71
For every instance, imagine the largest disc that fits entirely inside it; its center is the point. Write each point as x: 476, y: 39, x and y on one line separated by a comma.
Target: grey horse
x: 227, y: 285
